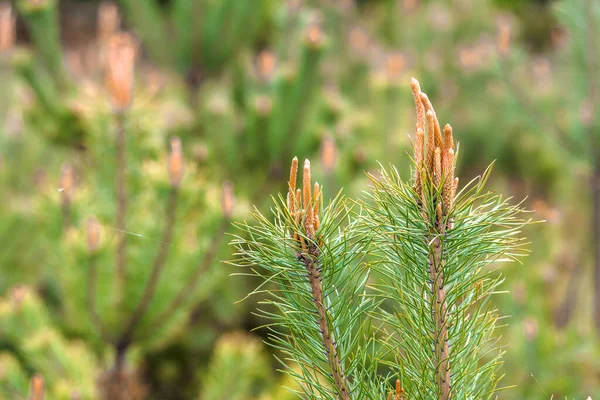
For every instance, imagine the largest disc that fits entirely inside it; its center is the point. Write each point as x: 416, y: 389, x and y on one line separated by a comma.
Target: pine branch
x: 341, y: 382
x: 315, y: 283
x: 439, y: 308
x: 437, y: 251
x: 436, y: 248
x: 121, y: 203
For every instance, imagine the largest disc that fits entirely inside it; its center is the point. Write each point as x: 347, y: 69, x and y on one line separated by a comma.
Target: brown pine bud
x: 504, y: 39
x: 328, y: 154
x: 293, y: 175
x: 314, y: 34
x: 299, y: 215
x: 120, y: 70
x: 430, y: 141
x: 37, y: 387
x: 419, y: 154
x: 437, y: 167
x: 175, y: 162
x: 228, y: 199
x: 93, y: 234
x: 109, y: 20
x: 448, y: 138
x: 448, y: 171
x: 266, y: 64
x: 437, y: 130
x: 7, y: 28
x: 67, y: 184
x: 307, y: 197
x: 416, y: 89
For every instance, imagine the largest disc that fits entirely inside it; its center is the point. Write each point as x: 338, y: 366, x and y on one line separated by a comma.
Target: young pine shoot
x: 434, y: 251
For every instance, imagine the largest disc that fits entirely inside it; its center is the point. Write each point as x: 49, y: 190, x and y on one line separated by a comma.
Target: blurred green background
x: 247, y: 85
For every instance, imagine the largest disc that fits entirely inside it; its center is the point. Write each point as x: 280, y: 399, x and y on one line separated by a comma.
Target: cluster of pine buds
x: 435, y: 160
x: 303, y: 206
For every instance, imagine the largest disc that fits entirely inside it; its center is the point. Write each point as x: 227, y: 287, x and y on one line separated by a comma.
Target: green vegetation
x: 137, y: 138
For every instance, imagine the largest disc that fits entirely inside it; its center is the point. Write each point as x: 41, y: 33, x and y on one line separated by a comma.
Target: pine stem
x: 121, y: 204
x: 316, y: 285
x: 439, y: 310
x: 157, y: 268
x: 190, y: 286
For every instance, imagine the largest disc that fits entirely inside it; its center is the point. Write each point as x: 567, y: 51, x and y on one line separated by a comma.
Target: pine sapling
x: 438, y: 251
x: 426, y: 315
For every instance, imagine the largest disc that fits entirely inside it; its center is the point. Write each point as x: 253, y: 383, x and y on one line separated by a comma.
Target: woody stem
x: 439, y: 313
x: 316, y: 285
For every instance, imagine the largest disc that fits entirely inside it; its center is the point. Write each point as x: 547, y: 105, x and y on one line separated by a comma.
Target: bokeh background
x: 246, y: 85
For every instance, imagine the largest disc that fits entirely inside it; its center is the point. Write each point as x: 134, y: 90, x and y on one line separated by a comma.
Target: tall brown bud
x: 292, y: 204
x: 120, y: 70
x: 419, y: 155
x: 7, y: 28
x: 307, y: 197
x: 37, y: 388
x: 430, y: 140
x: 93, y: 234
x: 175, y: 162
x: 416, y: 90
x: 437, y: 167
x: 314, y: 34
x: 504, y: 36
x: 437, y: 131
x: 448, y: 138
x: 448, y: 171
x: 109, y: 20
x: 228, y: 199
x: 266, y: 64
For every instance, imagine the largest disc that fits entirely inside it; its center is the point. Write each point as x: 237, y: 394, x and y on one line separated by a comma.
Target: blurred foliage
x: 31, y: 343
x: 278, y: 79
